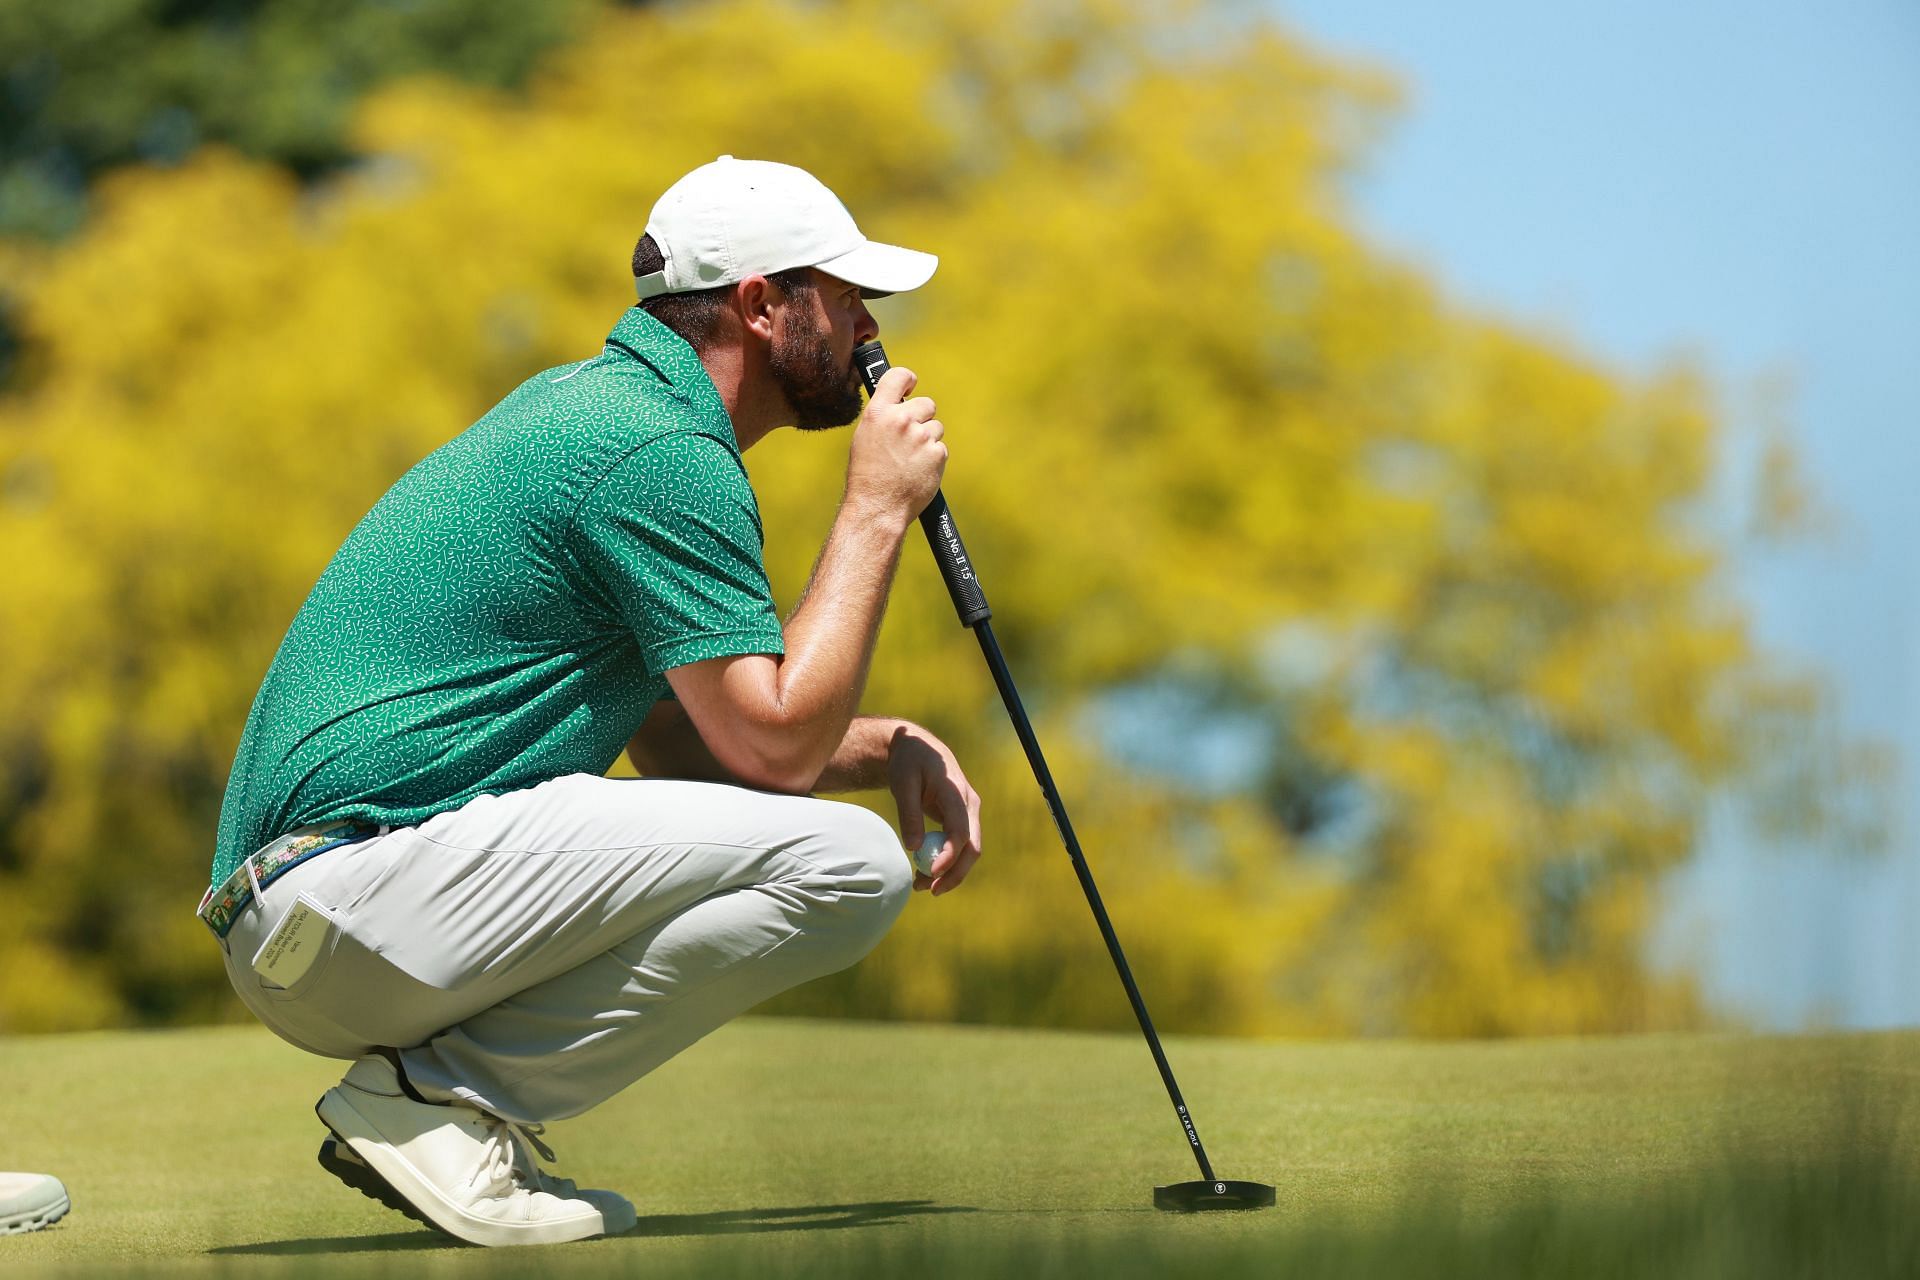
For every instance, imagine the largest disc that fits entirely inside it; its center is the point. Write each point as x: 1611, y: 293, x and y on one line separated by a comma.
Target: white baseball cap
x: 732, y: 219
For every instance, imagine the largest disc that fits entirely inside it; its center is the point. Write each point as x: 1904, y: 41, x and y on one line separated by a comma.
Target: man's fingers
x: 949, y: 852
x: 896, y: 384
x: 913, y: 821
x: 961, y: 811
x: 950, y: 878
x: 929, y: 788
x: 951, y: 806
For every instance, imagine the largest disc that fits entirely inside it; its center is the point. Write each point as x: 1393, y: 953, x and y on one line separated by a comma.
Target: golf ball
x: 930, y: 846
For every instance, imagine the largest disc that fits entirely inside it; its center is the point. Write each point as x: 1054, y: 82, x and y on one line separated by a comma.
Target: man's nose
x: 865, y: 327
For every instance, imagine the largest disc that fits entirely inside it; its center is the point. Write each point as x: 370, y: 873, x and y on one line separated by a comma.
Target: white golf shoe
x: 458, y: 1166
x: 30, y: 1201
x: 338, y: 1159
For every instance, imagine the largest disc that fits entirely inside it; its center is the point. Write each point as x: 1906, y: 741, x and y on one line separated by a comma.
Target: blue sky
x: 1740, y: 182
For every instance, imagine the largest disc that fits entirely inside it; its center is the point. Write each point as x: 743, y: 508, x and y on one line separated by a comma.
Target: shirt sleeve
x: 672, y: 536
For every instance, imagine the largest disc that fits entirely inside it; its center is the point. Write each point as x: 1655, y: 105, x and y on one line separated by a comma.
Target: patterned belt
x: 225, y: 901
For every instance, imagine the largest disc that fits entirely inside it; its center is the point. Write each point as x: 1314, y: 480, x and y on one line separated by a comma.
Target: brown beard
x: 821, y: 393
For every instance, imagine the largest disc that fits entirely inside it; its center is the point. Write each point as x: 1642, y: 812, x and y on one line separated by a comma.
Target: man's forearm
x: 668, y: 746
x: 830, y: 636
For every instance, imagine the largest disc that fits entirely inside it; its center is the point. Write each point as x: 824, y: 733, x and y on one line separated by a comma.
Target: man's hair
x: 695, y: 315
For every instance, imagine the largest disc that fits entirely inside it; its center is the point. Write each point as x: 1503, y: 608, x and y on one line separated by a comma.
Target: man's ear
x: 753, y: 302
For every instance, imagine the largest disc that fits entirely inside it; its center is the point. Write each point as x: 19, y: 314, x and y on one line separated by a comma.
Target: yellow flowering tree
x: 1230, y: 477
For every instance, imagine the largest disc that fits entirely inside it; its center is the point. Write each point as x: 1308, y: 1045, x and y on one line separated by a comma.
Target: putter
x: 971, y: 604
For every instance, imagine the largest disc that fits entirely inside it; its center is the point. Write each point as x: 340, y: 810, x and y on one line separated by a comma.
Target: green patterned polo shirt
x: 506, y: 614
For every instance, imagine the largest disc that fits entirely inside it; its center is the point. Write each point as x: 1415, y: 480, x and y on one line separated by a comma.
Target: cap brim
x: 881, y: 269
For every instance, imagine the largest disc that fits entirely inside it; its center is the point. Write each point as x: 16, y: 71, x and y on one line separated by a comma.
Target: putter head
x: 1192, y: 1197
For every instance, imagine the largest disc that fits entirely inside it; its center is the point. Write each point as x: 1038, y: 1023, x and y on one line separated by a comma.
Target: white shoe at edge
x: 459, y: 1165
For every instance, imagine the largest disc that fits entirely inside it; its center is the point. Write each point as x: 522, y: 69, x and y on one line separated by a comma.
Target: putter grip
x: 969, y: 601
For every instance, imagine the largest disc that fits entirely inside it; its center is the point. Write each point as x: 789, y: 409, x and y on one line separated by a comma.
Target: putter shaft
x: 1044, y: 776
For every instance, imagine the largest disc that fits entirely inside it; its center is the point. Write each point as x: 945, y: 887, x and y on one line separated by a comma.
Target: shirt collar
x: 640, y: 336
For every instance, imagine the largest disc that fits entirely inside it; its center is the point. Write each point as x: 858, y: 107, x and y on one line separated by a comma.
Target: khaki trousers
x: 536, y: 952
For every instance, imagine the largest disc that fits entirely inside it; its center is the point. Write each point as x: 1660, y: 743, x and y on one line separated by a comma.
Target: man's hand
x: 926, y: 779
x: 897, y: 458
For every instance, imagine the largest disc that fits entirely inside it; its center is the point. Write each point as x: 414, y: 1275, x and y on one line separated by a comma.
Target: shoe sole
x: 337, y: 1112
x: 34, y: 1219
x: 338, y: 1159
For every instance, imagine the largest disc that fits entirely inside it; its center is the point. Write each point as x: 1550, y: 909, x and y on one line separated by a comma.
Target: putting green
x: 830, y: 1148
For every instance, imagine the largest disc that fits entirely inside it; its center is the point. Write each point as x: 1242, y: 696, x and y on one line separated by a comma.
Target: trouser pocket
x: 296, y: 953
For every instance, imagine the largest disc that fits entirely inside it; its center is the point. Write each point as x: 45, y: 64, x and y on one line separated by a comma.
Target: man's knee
x: 872, y: 875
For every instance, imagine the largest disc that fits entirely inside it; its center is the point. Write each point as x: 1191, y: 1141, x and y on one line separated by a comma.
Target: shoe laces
x: 529, y: 1136
x: 506, y: 1159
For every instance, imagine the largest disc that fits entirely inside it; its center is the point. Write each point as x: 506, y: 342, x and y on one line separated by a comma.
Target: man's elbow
x: 774, y: 762
x: 792, y: 783
x: 753, y: 731
x: 773, y: 769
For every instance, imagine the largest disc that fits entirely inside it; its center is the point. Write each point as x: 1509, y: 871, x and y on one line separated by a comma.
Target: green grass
x: 831, y: 1149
